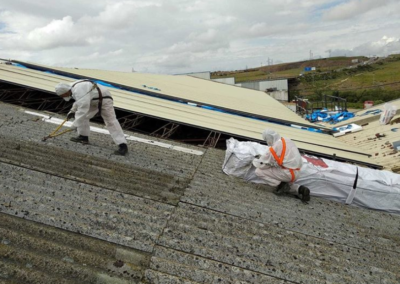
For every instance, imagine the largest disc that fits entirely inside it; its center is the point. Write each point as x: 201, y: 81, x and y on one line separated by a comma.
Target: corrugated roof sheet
x: 194, y: 90
x: 183, y: 113
x: 31, y: 252
x: 220, y: 230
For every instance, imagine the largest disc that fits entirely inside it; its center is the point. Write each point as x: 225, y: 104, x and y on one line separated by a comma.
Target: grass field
x: 332, y: 75
x: 384, y: 75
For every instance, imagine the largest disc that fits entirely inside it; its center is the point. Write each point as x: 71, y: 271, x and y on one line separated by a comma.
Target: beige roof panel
x: 194, y: 90
x: 380, y: 148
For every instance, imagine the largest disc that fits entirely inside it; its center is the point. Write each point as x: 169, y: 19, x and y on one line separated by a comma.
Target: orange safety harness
x: 279, y: 160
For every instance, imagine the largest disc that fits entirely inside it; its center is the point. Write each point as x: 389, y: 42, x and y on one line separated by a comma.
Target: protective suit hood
x: 62, y: 88
x: 270, y: 136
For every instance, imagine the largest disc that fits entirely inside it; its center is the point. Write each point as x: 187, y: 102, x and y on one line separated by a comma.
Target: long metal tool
x: 55, y: 134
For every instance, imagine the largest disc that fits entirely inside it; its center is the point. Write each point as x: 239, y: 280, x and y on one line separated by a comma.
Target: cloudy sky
x: 178, y: 36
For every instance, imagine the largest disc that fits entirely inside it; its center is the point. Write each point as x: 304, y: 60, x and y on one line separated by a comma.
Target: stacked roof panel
x: 185, y: 88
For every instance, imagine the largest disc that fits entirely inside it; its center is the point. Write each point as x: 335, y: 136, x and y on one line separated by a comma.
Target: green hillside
x: 287, y: 70
x: 376, y: 79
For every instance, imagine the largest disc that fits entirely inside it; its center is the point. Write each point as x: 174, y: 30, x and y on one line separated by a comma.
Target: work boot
x: 304, y: 193
x: 122, y: 149
x: 282, y: 188
x: 80, y: 139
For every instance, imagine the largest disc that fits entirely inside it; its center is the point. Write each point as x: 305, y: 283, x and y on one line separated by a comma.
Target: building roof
x: 78, y: 214
x: 374, y: 138
x: 191, y: 89
x: 370, y: 114
x: 228, y: 123
x: 377, y: 139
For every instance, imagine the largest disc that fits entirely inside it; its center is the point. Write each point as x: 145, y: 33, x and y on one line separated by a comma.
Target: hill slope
x: 376, y: 79
x: 288, y: 70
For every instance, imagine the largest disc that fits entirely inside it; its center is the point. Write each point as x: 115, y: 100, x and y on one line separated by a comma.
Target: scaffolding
x: 331, y: 103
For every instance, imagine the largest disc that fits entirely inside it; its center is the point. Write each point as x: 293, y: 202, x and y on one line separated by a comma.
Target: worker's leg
x: 294, y: 188
x: 301, y: 191
x: 112, y: 124
x: 270, y: 176
x: 281, y: 180
x: 83, y: 128
x: 82, y: 125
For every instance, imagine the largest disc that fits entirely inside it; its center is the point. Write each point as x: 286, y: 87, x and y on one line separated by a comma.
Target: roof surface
x: 377, y: 140
x: 192, y: 89
x: 367, y: 140
x: 78, y: 214
x: 367, y: 115
x: 195, y: 116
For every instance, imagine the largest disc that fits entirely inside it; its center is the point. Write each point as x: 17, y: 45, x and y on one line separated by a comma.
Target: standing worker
x: 280, y: 166
x: 91, y: 99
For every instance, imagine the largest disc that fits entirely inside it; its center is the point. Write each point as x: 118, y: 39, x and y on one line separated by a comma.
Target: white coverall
x: 85, y: 108
x: 268, y: 167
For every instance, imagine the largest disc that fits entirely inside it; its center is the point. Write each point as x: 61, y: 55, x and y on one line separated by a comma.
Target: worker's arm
x: 74, y: 108
x: 71, y: 113
x: 265, y: 161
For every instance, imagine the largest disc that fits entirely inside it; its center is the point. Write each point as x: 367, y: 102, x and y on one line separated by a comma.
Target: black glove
x: 70, y: 115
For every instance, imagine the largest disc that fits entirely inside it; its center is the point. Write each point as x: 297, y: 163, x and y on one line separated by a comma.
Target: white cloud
x: 55, y: 34
x: 353, y: 8
x: 177, y: 36
x: 264, y: 29
x: 382, y: 47
x: 17, y: 22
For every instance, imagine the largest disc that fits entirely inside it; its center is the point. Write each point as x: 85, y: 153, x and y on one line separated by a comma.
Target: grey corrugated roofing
x: 83, y: 225
x: 31, y: 252
x: 200, y: 117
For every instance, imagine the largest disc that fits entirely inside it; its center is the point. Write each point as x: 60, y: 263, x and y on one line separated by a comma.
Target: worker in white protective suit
x: 280, y: 166
x: 90, y: 99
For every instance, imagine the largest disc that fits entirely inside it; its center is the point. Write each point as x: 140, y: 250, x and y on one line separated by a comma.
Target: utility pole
x: 329, y: 52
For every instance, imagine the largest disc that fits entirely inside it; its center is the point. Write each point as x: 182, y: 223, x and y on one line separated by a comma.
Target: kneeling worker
x: 91, y: 99
x: 280, y: 166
